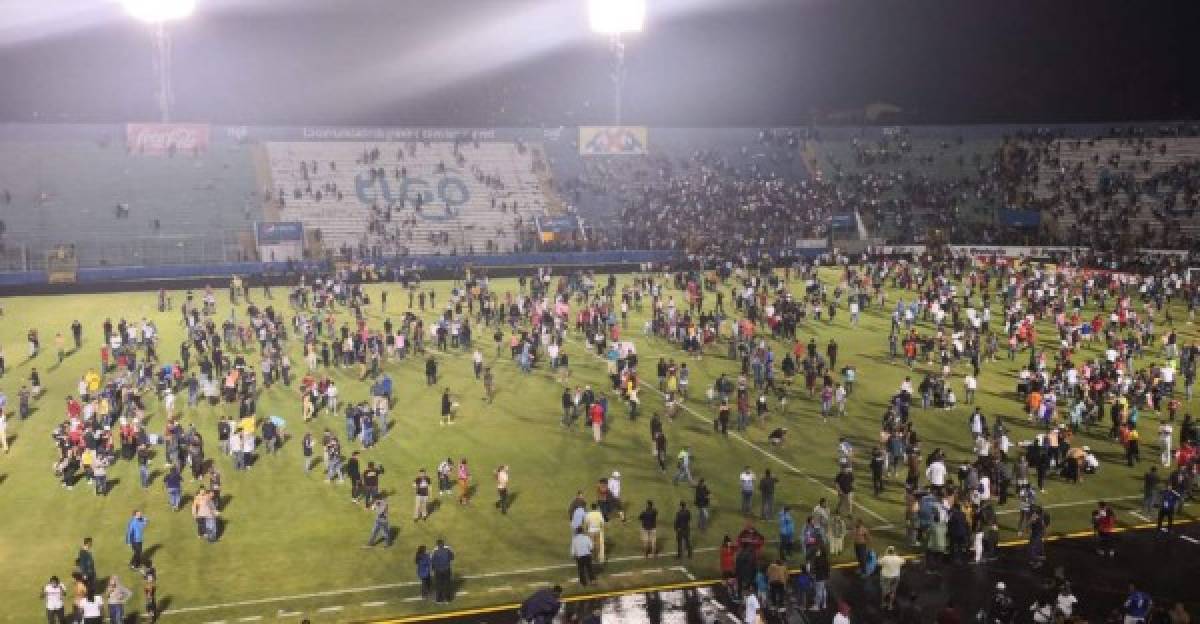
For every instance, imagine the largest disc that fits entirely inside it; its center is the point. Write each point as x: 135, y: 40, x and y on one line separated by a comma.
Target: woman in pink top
x: 464, y: 482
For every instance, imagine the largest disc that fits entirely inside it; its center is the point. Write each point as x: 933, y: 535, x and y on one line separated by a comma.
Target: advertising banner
x: 613, y: 140
x: 156, y: 139
x: 281, y: 241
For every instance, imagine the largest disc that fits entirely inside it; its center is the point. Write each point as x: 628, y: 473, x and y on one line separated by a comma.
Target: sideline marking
x: 377, y: 603
x: 330, y: 609
x: 1090, y: 501
x: 368, y: 588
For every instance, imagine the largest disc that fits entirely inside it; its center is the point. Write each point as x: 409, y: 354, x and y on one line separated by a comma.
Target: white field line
x: 377, y: 603
x: 330, y: 609
x: 737, y: 436
x: 685, y: 571
x: 369, y: 588
x: 1091, y: 501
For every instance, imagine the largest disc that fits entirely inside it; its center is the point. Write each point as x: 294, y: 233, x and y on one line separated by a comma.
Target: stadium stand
x: 757, y: 189
x: 120, y: 208
x: 904, y: 182
x: 411, y: 198
x: 632, y: 201
x: 1143, y: 187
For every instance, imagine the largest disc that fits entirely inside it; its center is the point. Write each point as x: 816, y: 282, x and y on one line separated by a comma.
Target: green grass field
x: 293, y: 544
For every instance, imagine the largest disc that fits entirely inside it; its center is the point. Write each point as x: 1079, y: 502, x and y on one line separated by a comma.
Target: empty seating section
x: 390, y: 198
x: 124, y: 209
x: 1143, y: 187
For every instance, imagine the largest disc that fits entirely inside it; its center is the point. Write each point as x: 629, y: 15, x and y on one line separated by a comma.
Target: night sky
x: 533, y: 63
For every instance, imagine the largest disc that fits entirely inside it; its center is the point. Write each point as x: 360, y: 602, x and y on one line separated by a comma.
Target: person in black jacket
x: 542, y: 606
x: 702, y: 502
x: 683, y: 531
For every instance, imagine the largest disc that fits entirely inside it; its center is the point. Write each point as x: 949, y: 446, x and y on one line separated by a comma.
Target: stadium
x: 582, y: 311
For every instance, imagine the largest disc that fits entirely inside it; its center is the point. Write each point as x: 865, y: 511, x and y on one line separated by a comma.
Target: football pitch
x: 292, y: 545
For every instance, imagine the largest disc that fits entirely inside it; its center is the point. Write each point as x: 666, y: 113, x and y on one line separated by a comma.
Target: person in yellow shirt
x: 594, y: 523
x: 1131, y: 446
x: 92, y: 378
x: 86, y: 460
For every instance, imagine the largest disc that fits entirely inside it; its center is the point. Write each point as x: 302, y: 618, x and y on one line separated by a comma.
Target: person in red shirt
x: 1104, y: 520
x: 74, y: 408
x: 728, y: 552
x: 750, y: 536
x: 596, y: 414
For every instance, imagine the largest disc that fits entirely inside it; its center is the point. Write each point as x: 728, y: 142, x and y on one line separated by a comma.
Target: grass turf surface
x: 293, y: 544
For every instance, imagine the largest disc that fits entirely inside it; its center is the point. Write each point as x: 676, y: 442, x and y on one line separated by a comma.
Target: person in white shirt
x: 1165, y: 432
x: 92, y: 608
x: 581, y: 550
x: 747, y: 481
x: 936, y: 474
x: 331, y: 397
x: 889, y: 576
x: 752, y: 607
x: 614, y: 494
x: 970, y: 384
x: 1066, y: 601
x: 54, y: 594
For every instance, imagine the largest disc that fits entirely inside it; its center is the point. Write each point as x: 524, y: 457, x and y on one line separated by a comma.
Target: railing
x: 30, y: 255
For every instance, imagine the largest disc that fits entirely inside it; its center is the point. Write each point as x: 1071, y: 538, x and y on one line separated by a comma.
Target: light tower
x: 615, y: 18
x: 157, y: 13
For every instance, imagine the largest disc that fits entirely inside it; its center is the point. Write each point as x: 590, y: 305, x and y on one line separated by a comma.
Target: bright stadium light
x: 614, y: 17
x: 159, y: 11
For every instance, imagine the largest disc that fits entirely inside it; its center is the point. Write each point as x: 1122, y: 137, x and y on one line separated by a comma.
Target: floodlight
x: 159, y: 11
x: 613, y: 17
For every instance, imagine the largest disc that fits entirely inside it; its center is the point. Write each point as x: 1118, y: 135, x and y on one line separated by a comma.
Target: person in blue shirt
x: 787, y: 532
x: 443, y: 575
x: 1169, y: 501
x: 135, y: 533
x: 1137, y: 605
x: 424, y: 571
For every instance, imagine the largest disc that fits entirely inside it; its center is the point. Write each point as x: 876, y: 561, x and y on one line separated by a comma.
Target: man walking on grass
x: 502, y: 488
x: 135, y: 533
x: 382, y: 528
x: 649, y: 522
x: 581, y: 550
x: 421, y: 486
x: 683, y: 531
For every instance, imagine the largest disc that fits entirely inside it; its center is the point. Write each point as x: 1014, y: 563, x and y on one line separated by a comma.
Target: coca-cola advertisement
x: 157, y: 139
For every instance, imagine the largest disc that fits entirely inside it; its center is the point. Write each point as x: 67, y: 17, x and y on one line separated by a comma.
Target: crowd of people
x: 1124, y: 362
